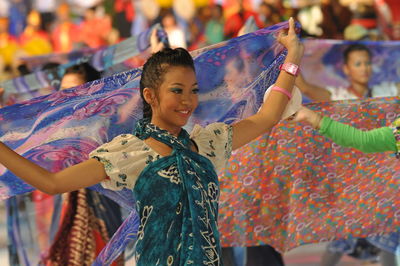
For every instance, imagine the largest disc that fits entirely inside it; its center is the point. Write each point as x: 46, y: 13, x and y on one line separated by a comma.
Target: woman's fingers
x: 280, y: 35
x: 289, y: 34
x: 291, y: 26
x: 292, y: 117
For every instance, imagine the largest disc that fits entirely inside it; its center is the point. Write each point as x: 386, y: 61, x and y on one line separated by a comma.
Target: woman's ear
x: 148, y: 95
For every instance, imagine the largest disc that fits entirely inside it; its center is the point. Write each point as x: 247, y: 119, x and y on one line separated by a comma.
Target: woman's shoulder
x: 385, y: 89
x: 213, y: 129
x: 214, y: 141
x: 340, y: 93
x: 121, y: 143
x: 124, y: 158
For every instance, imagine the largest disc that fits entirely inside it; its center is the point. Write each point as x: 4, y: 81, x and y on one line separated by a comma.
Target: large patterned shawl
x: 294, y: 190
x: 61, y: 129
x: 125, y: 55
x: 295, y: 186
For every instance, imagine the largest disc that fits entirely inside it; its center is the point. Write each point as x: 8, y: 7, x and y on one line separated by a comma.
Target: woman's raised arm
x: 271, y: 111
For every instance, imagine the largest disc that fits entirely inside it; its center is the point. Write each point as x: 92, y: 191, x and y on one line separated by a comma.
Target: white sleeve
x: 123, y: 158
x: 214, y: 142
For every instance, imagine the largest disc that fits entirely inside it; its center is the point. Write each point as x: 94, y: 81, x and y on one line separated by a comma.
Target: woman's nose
x: 185, y: 99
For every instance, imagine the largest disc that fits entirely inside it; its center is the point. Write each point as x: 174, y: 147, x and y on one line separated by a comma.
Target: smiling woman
x: 169, y: 104
x: 173, y: 174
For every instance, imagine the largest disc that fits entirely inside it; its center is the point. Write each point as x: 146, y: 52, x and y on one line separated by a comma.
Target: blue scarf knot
x: 177, y: 201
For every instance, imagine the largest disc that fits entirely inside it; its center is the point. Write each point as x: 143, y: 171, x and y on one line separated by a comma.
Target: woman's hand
x: 305, y: 115
x: 271, y: 111
x: 291, y: 42
x: 155, y: 44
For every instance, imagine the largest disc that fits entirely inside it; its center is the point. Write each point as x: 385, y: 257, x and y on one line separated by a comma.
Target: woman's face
x: 235, y: 77
x: 34, y: 19
x: 71, y: 80
x: 358, y: 67
x: 175, y: 100
x: 216, y: 12
x: 168, y: 21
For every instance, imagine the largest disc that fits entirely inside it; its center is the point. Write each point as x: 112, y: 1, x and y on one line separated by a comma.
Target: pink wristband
x: 282, y: 90
x: 290, y: 68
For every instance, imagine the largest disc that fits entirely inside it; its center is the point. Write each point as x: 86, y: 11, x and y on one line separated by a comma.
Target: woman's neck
x: 360, y: 90
x: 173, y: 130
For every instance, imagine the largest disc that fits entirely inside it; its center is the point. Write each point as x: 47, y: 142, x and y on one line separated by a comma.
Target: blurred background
x: 39, y: 27
x: 34, y: 28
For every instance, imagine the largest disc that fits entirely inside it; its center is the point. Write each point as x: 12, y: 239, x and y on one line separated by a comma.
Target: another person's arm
x: 375, y: 140
x: 315, y: 93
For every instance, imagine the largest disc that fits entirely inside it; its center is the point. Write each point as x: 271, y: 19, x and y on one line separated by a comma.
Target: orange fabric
x: 94, y: 32
x: 64, y: 36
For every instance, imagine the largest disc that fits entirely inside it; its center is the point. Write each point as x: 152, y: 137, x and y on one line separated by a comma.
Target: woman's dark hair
x: 220, y: 8
x: 355, y: 47
x: 88, y: 72
x: 23, y: 69
x: 50, y: 65
x: 155, y: 68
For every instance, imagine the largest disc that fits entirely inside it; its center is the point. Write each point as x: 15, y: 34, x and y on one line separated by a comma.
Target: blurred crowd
x: 30, y: 28
x: 38, y: 27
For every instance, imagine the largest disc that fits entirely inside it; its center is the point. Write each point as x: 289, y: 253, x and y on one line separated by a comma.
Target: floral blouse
x: 126, y: 156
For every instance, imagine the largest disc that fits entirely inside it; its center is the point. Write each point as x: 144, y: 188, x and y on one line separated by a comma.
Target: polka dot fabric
x: 295, y: 186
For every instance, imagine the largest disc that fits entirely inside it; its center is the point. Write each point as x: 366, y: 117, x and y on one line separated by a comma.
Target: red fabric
x: 235, y: 22
x: 389, y: 18
x: 44, y: 209
x: 395, y: 9
x: 127, y: 7
x: 81, y: 235
x: 100, y: 243
x: 64, y: 36
x: 368, y: 23
x: 26, y: 36
x: 94, y: 32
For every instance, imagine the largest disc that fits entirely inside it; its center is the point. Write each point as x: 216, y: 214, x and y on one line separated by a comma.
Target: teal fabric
x: 375, y: 140
x: 177, y: 200
x: 214, y: 31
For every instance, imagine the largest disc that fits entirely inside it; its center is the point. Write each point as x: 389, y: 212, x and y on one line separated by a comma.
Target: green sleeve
x: 376, y: 140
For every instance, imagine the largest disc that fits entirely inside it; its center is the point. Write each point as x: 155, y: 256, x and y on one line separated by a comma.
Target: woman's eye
x: 195, y: 91
x: 176, y: 90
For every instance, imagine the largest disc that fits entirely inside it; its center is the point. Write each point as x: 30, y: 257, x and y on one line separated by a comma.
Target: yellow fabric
x: 37, y: 46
